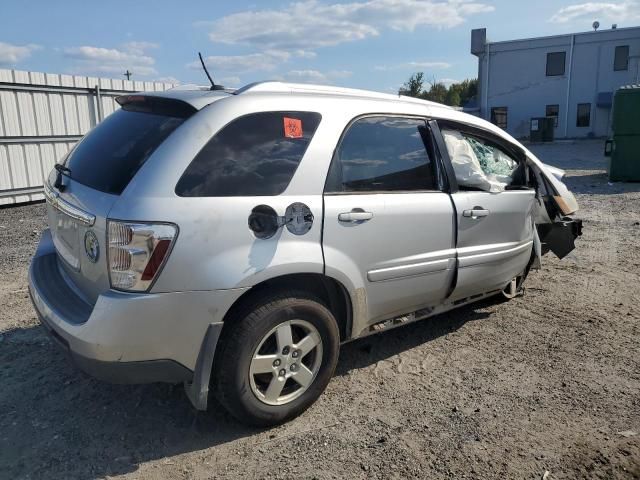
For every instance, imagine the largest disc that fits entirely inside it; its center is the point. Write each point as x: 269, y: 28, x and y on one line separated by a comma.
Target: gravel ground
x: 548, y: 382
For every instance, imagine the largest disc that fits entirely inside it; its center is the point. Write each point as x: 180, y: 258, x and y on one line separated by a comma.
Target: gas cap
x: 298, y: 218
x: 264, y: 222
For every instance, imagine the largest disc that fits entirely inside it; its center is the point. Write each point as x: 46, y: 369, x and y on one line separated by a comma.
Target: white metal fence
x: 42, y: 115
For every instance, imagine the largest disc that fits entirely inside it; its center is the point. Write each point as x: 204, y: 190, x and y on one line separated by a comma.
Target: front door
x: 388, y: 228
x: 494, y: 208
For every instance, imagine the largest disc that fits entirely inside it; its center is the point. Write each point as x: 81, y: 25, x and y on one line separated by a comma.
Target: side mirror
x: 608, y: 148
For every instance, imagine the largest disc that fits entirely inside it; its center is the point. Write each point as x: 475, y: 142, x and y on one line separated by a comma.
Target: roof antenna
x: 204, y: 67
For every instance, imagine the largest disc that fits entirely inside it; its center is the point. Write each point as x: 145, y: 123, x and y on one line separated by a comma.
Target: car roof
x: 201, y: 96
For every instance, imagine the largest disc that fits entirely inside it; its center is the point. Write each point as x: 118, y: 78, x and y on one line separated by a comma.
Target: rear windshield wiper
x: 62, y: 170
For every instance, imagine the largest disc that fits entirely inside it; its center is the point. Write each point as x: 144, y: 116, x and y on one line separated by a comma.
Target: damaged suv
x: 232, y: 240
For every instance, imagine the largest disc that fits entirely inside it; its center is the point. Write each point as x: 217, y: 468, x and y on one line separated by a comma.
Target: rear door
x: 388, y: 225
x: 494, y: 205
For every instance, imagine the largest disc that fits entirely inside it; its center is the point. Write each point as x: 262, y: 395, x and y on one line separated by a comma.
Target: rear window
x: 111, y: 154
x: 254, y: 155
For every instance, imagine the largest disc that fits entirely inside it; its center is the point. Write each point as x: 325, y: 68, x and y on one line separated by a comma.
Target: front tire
x: 276, y: 358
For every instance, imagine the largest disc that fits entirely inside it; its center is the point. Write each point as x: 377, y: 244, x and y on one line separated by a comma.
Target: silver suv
x: 232, y: 240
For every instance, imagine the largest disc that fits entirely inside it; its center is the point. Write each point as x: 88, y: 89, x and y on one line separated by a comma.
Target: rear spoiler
x: 171, y: 107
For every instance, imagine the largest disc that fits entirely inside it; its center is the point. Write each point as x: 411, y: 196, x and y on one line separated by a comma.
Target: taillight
x: 137, y: 253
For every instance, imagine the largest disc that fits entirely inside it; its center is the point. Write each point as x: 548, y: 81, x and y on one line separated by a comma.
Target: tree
x: 458, y: 94
x: 413, y: 86
x: 453, y: 97
x: 437, y: 92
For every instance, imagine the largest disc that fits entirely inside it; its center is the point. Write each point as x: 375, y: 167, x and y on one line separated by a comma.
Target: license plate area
x: 66, y: 237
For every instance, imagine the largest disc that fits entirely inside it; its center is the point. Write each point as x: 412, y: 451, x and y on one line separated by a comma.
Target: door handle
x: 355, y: 215
x: 476, y: 213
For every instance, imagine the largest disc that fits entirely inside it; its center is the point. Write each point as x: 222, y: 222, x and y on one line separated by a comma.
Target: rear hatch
x: 81, y: 192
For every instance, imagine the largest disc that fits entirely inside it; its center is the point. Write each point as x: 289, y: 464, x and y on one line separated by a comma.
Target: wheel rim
x: 286, y: 362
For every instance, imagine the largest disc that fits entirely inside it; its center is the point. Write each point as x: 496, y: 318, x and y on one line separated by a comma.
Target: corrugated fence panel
x: 9, y: 113
x: 86, y: 113
x: 43, y: 118
x: 27, y: 117
x: 42, y: 115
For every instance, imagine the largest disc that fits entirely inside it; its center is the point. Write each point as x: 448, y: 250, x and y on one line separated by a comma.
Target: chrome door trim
x: 472, y: 256
x: 65, y: 207
x: 421, y: 265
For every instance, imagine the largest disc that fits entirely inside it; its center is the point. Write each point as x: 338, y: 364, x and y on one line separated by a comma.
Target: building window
x: 621, y: 59
x: 553, y: 111
x: 555, y: 63
x: 499, y: 117
x: 584, y: 115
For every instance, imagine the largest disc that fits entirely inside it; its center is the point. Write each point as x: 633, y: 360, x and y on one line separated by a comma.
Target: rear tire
x: 276, y: 357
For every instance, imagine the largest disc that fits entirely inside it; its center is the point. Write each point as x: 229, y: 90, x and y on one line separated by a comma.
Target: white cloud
x: 168, y: 79
x: 131, y: 56
x: 413, y: 66
x: 625, y: 11
x: 315, y: 76
x: 447, y: 82
x: 138, y: 48
x: 12, y: 54
x: 231, y: 82
x: 305, y: 54
x: 237, y: 64
x: 310, y: 24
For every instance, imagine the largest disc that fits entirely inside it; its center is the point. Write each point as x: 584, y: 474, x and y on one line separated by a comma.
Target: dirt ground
x: 549, y: 382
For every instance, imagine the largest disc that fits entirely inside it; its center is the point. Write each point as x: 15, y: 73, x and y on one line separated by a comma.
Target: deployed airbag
x: 475, y: 165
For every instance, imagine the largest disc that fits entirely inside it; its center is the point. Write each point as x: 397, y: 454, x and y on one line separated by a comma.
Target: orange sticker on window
x: 292, y: 127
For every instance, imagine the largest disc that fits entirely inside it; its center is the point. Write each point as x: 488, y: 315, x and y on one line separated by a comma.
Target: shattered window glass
x: 478, y: 164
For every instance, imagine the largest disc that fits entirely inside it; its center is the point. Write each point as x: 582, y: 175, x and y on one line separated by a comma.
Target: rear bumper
x: 124, y: 338
x: 121, y: 372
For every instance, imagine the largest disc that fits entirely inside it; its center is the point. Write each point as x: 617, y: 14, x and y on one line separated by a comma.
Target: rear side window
x: 382, y: 154
x: 253, y: 155
x: 111, y: 154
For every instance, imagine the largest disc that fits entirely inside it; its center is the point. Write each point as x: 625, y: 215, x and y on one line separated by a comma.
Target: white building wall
x: 517, y: 79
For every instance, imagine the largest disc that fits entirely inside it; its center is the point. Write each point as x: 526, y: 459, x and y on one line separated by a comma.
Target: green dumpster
x: 624, y: 148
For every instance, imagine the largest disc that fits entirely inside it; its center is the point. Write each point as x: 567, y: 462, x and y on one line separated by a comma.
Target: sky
x: 372, y: 44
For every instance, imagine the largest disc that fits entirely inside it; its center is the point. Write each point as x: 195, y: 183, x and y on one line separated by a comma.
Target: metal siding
x: 27, y: 117
x: 47, y: 157
x: 17, y: 166
x: 37, y: 78
x: 31, y: 115
x: 34, y: 168
x: 9, y: 114
x: 80, y: 82
x: 71, y: 114
x: 86, y: 113
x: 5, y: 174
x: 43, y: 117
x: 21, y: 77
x: 57, y: 114
x: 107, y: 106
x: 52, y: 79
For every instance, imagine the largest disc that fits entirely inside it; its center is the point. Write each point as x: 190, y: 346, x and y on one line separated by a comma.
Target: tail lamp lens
x: 137, y: 252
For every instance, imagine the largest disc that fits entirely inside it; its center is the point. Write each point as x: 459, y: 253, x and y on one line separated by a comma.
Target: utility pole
x: 128, y: 74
